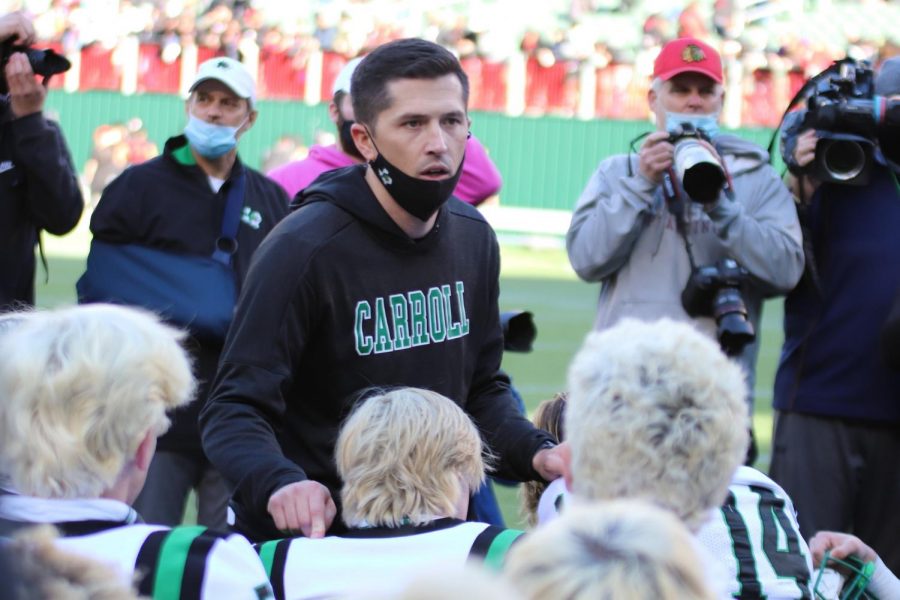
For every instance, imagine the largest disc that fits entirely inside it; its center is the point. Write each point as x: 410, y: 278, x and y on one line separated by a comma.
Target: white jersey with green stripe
x: 750, y: 548
x: 378, y: 560
x: 184, y: 562
x: 756, y: 536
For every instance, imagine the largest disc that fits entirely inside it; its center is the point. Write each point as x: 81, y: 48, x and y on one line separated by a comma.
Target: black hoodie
x: 340, y: 300
x: 38, y: 190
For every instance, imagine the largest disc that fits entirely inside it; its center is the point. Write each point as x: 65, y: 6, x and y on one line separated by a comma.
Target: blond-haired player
x: 85, y: 393
x: 409, y: 459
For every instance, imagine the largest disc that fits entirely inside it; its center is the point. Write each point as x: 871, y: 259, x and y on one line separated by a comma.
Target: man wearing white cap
x: 479, y: 180
x: 180, y: 202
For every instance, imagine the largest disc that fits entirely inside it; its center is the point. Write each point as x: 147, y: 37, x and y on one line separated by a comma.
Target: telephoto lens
x: 701, y: 175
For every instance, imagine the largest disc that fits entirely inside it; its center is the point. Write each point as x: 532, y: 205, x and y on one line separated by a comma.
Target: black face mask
x: 419, y: 197
x: 347, y: 143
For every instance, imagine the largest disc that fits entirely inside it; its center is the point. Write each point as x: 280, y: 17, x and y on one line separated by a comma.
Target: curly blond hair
x: 81, y: 387
x: 625, y: 549
x: 43, y: 571
x: 656, y: 411
x: 406, y: 454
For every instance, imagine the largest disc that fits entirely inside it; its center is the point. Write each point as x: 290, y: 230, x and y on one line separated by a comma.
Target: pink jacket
x: 480, y: 178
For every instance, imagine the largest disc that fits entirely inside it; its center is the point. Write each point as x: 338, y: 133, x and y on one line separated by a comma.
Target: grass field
x: 537, y: 280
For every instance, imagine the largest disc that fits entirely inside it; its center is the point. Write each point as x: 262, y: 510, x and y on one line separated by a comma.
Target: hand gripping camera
x: 848, y: 117
x: 715, y: 290
x: 45, y: 63
x: 701, y: 175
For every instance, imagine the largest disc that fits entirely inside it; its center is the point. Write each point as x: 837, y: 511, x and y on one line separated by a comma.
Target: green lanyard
x: 896, y: 183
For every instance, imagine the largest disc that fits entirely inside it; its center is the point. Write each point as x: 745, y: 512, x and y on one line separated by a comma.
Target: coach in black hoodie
x: 380, y: 279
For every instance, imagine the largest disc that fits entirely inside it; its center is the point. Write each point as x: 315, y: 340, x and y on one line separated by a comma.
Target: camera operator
x: 625, y: 234
x: 838, y: 425
x: 38, y: 186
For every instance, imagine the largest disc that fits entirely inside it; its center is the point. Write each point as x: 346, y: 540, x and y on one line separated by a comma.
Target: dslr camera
x: 701, y: 175
x: 45, y: 63
x: 847, y: 117
x: 715, y: 291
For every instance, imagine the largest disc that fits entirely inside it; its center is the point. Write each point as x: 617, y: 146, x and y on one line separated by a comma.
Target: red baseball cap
x: 688, y: 55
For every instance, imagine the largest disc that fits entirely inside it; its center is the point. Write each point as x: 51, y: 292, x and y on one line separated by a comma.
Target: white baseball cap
x: 230, y: 72
x: 342, y: 83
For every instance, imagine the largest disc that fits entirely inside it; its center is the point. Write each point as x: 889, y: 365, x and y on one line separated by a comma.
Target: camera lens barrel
x: 733, y: 329
x: 701, y: 175
x: 841, y: 160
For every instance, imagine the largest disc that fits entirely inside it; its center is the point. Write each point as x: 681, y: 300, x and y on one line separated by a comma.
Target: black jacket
x: 38, y: 190
x: 340, y: 300
x: 167, y: 203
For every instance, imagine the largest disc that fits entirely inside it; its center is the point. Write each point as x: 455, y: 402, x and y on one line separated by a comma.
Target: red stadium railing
x: 487, y: 83
x: 619, y: 94
x: 549, y: 89
x: 280, y: 76
x: 332, y: 63
x: 98, y: 71
x: 155, y: 75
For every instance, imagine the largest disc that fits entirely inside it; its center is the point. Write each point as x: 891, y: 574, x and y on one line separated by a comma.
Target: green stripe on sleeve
x: 172, y: 559
x: 267, y: 555
x: 496, y: 553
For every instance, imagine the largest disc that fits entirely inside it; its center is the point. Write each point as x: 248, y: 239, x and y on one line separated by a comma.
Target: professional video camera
x: 715, y: 291
x: 847, y: 116
x: 45, y: 63
x: 701, y: 175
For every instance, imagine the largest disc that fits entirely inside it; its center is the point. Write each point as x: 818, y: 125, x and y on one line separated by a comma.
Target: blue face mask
x: 208, y: 139
x: 708, y: 124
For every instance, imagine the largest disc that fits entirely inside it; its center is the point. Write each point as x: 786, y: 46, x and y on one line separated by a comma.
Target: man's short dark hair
x: 410, y: 58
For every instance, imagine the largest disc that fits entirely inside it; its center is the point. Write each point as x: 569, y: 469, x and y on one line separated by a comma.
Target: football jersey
x: 750, y: 548
x: 378, y: 561
x: 183, y: 562
x: 756, y: 536
x: 552, y: 500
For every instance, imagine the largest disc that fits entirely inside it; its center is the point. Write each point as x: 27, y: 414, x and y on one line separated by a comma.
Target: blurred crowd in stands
x: 586, y: 58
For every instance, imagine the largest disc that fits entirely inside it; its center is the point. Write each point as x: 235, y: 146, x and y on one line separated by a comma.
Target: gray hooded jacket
x: 623, y: 235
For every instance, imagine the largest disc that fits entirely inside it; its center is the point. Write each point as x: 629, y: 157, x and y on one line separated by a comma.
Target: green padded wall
x: 545, y: 161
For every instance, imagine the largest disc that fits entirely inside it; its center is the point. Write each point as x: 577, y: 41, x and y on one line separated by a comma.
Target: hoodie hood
x: 330, y: 157
x: 295, y: 176
x: 740, y: 155
x: 347, y: 188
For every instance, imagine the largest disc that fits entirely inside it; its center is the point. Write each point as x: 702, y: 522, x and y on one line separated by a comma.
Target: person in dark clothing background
x: 175, y: 202
x: 38, y: 186
x: 379, y: 279
x: 837, y: 397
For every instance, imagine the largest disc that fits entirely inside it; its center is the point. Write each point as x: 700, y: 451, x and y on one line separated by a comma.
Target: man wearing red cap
x: 624, y: 232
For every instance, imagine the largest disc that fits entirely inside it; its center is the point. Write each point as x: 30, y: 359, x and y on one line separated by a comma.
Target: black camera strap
x: 632, y: 150
x: 677, y: 205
